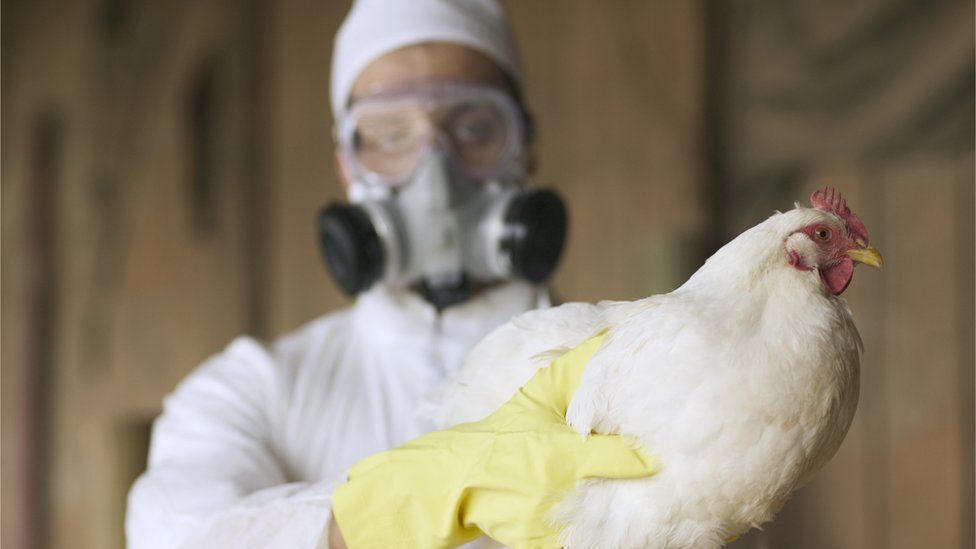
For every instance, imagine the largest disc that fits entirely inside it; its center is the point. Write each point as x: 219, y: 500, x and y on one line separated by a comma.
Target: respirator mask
x: 438, y: 195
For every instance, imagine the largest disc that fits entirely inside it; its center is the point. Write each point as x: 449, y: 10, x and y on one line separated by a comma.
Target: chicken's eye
x: 823, y: 234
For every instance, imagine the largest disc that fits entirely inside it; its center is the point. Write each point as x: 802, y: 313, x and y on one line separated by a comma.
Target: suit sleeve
x: 213, y: 479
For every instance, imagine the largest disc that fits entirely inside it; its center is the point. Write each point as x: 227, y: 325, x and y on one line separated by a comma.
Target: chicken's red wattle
x: 838, y: 276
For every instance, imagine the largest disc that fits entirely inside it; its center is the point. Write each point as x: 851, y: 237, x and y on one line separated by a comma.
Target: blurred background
x: 163, y: 162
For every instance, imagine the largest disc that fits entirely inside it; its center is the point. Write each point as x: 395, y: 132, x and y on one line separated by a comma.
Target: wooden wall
x: 875, y: 98
x: 162, y: 165
x: 132, y: 241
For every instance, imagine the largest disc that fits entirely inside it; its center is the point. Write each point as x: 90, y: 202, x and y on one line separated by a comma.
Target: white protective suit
x: 249, y: 446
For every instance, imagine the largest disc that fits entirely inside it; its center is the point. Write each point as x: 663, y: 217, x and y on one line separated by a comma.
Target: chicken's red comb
x: 829, y: 200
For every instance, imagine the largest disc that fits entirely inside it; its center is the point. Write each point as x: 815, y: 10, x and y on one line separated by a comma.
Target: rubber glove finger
x: 612, y: 456
x: 553, y: 387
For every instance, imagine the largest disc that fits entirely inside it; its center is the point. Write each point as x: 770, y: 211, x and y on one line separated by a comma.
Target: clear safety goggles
x: 384, y: 137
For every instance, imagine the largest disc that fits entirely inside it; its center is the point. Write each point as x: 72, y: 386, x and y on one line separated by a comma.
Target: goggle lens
x: 385, y: 138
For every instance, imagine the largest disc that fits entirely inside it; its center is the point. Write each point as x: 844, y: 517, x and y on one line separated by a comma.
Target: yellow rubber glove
x: 498, y: 476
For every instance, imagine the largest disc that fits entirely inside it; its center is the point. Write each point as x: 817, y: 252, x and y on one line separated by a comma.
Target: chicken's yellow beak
x: 868, y: 255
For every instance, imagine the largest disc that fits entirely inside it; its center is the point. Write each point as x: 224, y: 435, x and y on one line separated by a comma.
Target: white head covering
x: 376, y: 27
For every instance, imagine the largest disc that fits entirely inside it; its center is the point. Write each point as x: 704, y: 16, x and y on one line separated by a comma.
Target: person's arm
x: 502, y: 476
x: 212, y: 478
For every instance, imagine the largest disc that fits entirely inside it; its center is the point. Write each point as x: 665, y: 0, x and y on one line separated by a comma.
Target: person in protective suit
x: 442, y: 240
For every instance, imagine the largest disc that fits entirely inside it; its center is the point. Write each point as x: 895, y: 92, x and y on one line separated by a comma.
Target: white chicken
x: 742, y: 382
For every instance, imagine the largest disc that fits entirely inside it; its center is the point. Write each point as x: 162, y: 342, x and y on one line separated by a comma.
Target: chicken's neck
x: 749, y: 283
x: 755, y: 261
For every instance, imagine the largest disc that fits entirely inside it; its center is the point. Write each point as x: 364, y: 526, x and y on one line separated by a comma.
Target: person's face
x: 431, y: 62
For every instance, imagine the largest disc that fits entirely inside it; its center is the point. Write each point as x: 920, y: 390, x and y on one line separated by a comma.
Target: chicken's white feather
x: 742, y: 382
